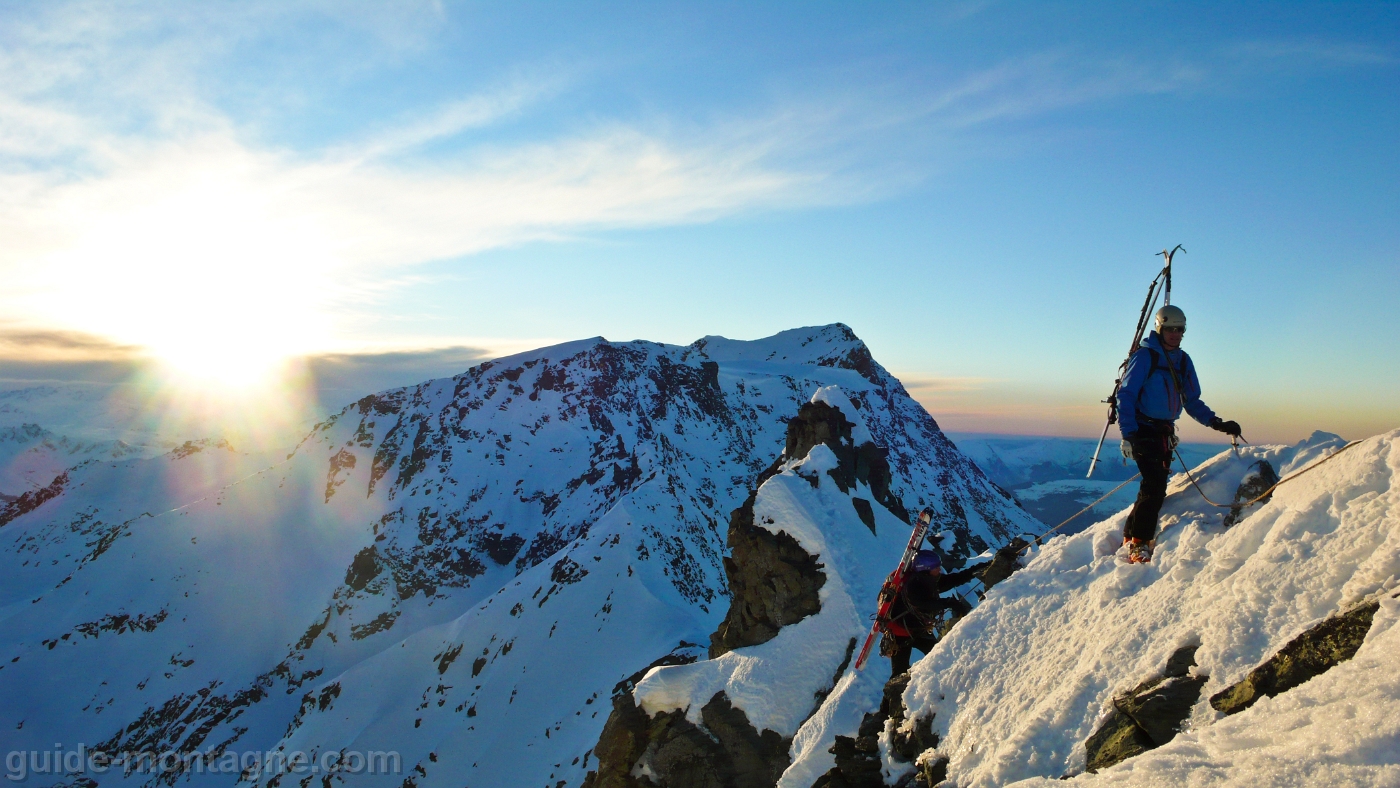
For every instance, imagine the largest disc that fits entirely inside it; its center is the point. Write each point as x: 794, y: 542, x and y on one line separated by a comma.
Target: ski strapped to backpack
x: 1164, y: 281
x: 890, y: 590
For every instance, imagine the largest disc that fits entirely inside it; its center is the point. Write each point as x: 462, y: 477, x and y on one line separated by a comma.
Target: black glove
x: 1231, y: 428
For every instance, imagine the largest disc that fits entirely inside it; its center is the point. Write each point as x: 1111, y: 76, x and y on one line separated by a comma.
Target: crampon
x: 1139, y: 550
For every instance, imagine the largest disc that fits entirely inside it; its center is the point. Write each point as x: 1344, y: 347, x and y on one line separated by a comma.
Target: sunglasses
x: 1175, y: 329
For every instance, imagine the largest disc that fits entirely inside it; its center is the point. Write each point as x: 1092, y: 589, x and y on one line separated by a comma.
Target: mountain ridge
x: 413, y: 561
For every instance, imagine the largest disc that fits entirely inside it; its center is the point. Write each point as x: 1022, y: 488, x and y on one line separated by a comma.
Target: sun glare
x: 220, y: 282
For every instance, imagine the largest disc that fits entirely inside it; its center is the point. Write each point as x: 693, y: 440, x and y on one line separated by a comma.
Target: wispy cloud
x: 930, y: 387
x: 20, y: 344
x: 126, y: 192
x: 1311, y: 52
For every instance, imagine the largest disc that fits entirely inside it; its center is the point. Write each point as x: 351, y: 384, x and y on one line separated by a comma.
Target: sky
x: 391, y: 192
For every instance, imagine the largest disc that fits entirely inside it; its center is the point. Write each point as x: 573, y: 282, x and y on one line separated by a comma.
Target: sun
x: 219, y: 283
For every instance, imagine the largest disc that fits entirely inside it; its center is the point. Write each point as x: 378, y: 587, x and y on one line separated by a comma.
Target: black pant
x: 1152, y: 449
x: 904, y: 649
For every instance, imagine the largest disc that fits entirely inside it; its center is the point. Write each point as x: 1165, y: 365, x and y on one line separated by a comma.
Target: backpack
x: 1176, y: 375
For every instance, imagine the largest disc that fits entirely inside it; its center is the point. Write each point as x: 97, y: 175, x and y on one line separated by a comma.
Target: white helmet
x: 1170, y: 317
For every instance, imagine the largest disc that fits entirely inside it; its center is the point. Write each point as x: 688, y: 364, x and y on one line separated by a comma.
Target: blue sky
x: 977, y: 189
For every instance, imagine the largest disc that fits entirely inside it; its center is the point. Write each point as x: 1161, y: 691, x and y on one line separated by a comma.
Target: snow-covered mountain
x: 458, y: 573
x: 31, y: 457
x: 1260, y: 647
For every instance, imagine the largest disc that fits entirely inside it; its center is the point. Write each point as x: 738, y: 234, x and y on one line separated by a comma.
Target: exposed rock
x: 865, y: 513
x: 932, y: 771
x: 1260, y: 477
x: 858, y: 759
x: 1003, y: 564
x: 773, y: 582
x: 32, y: 499
x: 818, y: 422
x: 1149, y: 715
x: 343, y: 460
x: 908, y: 738
x: 724, y: 751
x: 1314, y: 652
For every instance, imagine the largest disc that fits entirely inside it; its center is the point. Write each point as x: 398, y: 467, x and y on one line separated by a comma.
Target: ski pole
x: 1095, y: 460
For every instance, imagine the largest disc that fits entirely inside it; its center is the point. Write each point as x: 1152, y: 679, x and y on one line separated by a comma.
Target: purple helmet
x: 926, y: 561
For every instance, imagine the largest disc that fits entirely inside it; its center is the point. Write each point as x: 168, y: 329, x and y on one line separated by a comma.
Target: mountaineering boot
x: 1139, y: 550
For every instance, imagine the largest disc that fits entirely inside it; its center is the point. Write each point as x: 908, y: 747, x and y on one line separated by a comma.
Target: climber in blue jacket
x: 1159, y: 383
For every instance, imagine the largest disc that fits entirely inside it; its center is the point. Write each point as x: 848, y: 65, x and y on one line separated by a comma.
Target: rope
x: 1290, y: 477
x: 1106, y: 495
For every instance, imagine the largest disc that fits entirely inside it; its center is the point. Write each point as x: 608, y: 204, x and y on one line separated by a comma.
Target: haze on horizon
x: 390, y: 192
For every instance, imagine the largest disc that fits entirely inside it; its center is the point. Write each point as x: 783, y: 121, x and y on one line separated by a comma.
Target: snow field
x: 1019, y: 684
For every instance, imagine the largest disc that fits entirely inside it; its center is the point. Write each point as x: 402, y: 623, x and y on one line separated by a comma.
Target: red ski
x: 890, y: 589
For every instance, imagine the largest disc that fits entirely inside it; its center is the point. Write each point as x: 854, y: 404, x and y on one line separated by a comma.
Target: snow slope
x: 1019, y: 685
x: 459, y: 572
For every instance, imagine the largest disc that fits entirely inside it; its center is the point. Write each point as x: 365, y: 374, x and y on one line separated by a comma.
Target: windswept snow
x: 1019, y: 685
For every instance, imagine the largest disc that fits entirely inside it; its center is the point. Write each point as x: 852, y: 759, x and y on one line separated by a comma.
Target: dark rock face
x: 1003, y: 564
x: 1312, y: 653
x: 669, y: 750
x: 1260, y: 477
x: 1149, y: 715
x: 818, y: 422
x: 32, y: 499
x: 858, y: 759
x: 773, y: 582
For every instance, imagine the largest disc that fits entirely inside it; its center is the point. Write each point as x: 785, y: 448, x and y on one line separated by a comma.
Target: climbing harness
x: 1161, y: 285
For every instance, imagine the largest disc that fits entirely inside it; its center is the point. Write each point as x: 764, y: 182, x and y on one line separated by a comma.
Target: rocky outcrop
x: 1003, y: 564
x: 817, y: 423
x: 858, y: 758
x: 32, y: 499
x: 1147, y: 716
x: 1312, y: 653
x: 724, y: 751
x: 1260, y: 477
x: 773, y: 583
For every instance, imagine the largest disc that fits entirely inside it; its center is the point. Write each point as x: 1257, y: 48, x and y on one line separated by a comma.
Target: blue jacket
x: 1151, y: 392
